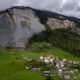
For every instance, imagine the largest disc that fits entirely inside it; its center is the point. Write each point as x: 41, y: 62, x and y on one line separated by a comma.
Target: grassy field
x: 12, y: 67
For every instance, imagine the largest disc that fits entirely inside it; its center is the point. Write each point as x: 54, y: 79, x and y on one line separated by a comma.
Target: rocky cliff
x: 18, y: 24
x: 54, y: 23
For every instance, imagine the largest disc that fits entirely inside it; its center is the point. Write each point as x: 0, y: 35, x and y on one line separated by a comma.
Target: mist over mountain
x: 18, y: 24
x: 66, y: 7
x: 39, y: 39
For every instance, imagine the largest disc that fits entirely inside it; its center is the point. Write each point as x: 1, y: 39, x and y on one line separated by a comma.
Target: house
x: 46, y: 73
x: 67, y: 75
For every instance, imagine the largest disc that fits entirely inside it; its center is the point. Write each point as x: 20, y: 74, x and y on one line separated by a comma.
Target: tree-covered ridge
x: 44, y: 15
x: 60, y: 38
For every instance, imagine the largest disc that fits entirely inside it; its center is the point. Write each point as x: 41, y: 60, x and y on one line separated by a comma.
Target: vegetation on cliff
x: 60, y: 38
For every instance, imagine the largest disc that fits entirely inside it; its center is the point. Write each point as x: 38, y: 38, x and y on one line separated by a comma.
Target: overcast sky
x: 67, y: 7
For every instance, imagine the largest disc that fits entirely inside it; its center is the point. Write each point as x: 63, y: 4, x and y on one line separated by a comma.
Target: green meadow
x: 12, y: 66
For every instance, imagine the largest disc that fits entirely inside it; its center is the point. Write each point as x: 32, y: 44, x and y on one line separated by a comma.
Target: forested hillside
x: 60, y: 38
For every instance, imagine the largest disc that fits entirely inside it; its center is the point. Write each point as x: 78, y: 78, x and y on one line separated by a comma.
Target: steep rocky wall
x: 17, y: 28
x: 17, y: 25
x: 6, y: 32
x: 54, y: 23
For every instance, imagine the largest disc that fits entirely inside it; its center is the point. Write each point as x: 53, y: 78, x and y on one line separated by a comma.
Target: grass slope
x: 12, y: 67
x: 59, y: 38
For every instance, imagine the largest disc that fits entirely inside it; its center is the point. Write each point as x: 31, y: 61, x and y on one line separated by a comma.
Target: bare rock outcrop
x: 54, y: 23
x: 18, y: 24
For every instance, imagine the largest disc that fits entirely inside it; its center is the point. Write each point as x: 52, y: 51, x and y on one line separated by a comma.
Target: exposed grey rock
x: 17, y: 28
x: 17, y: 25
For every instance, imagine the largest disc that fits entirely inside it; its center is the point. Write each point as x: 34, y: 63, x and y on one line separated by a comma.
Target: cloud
x: 41, y: 4
x: 6, y: 4
x: 71, y: 8
x: 67, y: 7
x: 70, y: 5
x: 78, y: 9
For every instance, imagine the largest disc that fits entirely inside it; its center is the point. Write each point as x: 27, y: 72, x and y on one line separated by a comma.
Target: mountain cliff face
x: 54, y: 23
x: 18, y: 24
